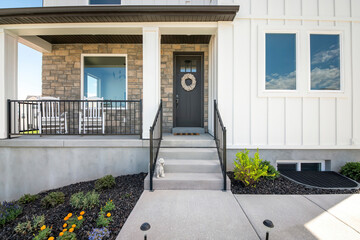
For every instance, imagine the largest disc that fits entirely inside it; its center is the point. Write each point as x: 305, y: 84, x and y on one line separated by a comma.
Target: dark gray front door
x: 188, y: 91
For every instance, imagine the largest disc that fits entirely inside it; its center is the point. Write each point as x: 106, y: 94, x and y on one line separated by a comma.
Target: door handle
x: 177, y: 100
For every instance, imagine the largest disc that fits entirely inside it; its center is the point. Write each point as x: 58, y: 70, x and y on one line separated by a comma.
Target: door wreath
x: 193, y: 82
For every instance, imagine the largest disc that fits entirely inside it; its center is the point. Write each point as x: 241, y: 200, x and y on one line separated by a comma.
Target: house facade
x: 285, y: 75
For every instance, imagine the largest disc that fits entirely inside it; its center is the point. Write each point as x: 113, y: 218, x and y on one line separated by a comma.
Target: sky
x: 29, y: 68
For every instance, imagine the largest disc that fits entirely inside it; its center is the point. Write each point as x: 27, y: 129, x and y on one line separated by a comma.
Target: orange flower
x: 60, y: 234
x: 65, y: 230
x: 69, y: 215
x: 43, y: 227
x: 51, y: 238
x: 73, y: 226
x: 66, y: 218
x: 65, y: 225
x: 80, y: 217
x: 71, y: 230
x: 82, y: 213
x: 108, y: 215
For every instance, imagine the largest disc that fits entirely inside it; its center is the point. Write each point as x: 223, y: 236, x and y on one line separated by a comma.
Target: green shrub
x: 105, y: 182
x: 248, y: 170
x: 67, y: 236
x: 30, y: 227
x: 103, y: 220
x: 109, y: 206
x: 351, y: 170
x: 28, y: 198
x: 53, y: 199
x: 272, y: 172
x: 88, y: 201
x: 43, y: 234
x: 8, y: 212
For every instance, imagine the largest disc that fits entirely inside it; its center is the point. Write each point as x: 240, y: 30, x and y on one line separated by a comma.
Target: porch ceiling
x: 91, y: 14
x: 165, y: 39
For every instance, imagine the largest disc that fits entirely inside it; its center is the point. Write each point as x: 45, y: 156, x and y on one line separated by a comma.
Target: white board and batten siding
x: 53, y: 3
x: 301, y: 119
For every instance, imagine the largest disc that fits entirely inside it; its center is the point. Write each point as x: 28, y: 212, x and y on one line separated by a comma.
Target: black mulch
x: 125, y: 195
x: 327, y: 179
x: 280, y: 185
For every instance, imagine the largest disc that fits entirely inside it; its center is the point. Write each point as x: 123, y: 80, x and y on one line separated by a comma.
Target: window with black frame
x: 104, y: 2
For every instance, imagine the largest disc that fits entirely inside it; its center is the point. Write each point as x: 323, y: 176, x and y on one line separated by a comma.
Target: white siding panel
x: 293, y: 7
x: 309, y: 8
x: 342, y: 8
x: 276, y: 125
x: 259, y: 7
x: 356, y: 81
x: 242, y: 82
x: 355, y: 8
x: 245, y: 6
x: 293, y: 121
x: 327, y: 121
x: 311, y: 121
x: 343, y: 121
x: 276, y: 7
x: 326, y: 8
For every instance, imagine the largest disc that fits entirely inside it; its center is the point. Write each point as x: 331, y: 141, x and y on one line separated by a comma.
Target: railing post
x: 161, y: 119
x: 9, y: 118
x: 141, y: 118
x: 214, y: 120
x: 224, y: 157
x: 151, y: 159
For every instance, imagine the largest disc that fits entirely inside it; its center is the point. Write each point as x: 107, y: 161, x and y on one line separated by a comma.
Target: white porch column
x: 8, y: 76
x: 225, y: 76
x: 151, y: 76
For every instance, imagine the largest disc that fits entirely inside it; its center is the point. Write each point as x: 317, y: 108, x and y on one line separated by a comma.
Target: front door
x: 188, y: 90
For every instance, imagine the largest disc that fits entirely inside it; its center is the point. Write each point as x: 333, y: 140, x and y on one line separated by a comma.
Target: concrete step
x: 188, y: 181
x: 188, y: 143
x: 192, y: 166
x: 188, y: 130
x: 188, y: 153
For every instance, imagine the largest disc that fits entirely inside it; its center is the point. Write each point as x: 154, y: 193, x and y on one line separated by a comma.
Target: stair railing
x: 155, y: 141
x: 220, y: 139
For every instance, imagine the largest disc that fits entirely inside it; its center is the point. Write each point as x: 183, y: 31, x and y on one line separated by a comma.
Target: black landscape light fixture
x: 269, y: 224
x: 144, y: 227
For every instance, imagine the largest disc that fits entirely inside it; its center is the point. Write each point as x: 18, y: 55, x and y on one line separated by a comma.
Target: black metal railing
x: 220, y: 139
x: 155, y: 141
x: 75, y: 117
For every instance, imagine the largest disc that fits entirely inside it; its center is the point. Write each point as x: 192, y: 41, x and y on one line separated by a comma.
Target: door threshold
x: 188, y: 130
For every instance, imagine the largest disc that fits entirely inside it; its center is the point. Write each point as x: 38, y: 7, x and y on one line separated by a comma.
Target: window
x: 325, y: 61
x: 105, y: 77
x: 280, y: 61
x: 105, y: 2
x: 286, y: 167
x: 300, y: 165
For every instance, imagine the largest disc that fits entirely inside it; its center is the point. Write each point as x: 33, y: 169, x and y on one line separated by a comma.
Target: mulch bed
x: 125, y: 195
x: 280, y: 185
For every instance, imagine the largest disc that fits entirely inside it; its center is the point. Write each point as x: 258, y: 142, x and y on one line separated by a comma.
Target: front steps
x: 191, y: 163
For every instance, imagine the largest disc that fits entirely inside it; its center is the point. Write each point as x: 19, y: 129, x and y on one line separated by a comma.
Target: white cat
x: 160, y: 172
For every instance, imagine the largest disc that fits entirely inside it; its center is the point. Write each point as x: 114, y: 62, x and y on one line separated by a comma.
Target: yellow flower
x: 73, y: 226
x: 43, y: 227
x: 71, y: 230
x: 69, y: 215
x: 80, y: 217
x: 51, y: 238
x: 65, y: 225
x: 65, y: 230
x: 66, y: 218
x: 82, y: 213
x: 60, y: 234
x: 108, y: 215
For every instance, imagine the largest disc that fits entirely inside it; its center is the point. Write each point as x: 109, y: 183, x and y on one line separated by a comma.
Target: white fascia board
x: 36, y: 43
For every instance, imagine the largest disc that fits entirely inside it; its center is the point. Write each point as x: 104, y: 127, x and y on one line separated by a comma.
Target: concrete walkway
x: 219, y: 215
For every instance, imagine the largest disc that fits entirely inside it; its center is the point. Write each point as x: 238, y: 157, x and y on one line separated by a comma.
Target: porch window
x: 105, y: 2
x: 280, y: 61
x: 105, y: 77
x: 325, y: 61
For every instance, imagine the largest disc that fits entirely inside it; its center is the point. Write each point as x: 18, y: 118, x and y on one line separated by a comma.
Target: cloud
x: 276, y: 81
x: 327, y: 55
x: 325, y: 79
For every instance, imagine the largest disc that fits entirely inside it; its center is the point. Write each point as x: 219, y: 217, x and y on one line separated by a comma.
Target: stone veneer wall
x: 61, y: 71
x: 167, y: 79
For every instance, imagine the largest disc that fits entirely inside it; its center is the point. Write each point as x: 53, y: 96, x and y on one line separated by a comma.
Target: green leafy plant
x: 109, y: 206
x: 351, y: 170
x: 30, y: 227
x: 8, y: 212
x: 248, y: 170
x: 81, y: 201
x: 28, y: 198
x: 43, y: 234
x: 103, y: 220
x: 67, y: 236
x: 272, y: 172
x: 53, y: 199
x: 105, y: 183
